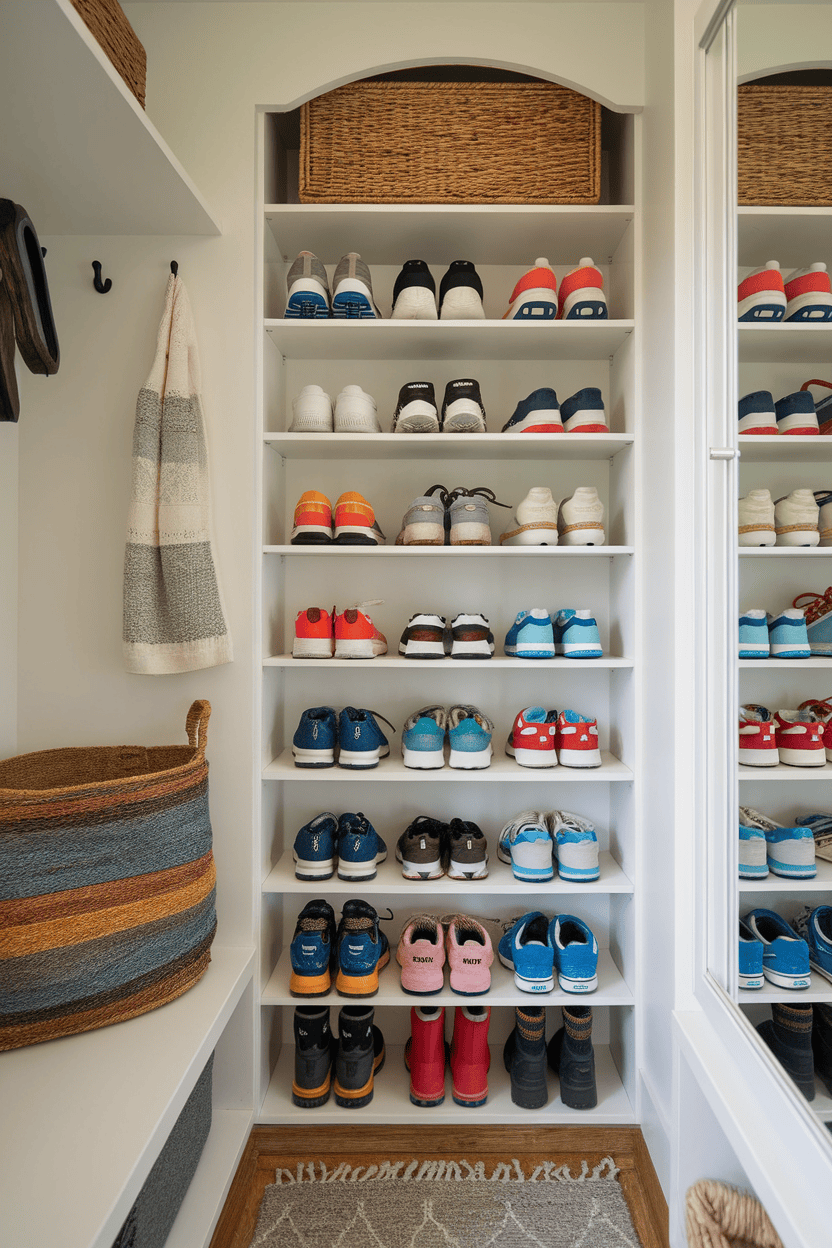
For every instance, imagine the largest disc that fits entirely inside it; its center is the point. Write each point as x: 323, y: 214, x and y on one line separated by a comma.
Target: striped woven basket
x: 784, y: 145
x: 107, y: 883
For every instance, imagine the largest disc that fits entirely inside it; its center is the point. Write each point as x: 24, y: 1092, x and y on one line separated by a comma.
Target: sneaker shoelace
x: 483, y: 491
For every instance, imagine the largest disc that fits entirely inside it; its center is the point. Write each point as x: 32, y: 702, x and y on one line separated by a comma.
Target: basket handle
x: 196, y: 725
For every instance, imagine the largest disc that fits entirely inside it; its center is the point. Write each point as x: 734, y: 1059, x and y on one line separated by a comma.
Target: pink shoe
x: 421, y: 955
x: 470, y: 954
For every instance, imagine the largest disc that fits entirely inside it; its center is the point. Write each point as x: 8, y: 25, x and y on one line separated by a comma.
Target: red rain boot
x: 424, y: 1055
x: 470, y: 1055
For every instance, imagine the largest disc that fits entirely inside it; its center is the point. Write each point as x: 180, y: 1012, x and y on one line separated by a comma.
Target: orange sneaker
x: 313, y: 519
x: 314, y: 637
x: 356, y: 637
x: 535, y: 295
x: 582, y: 294
x: 355, y: 522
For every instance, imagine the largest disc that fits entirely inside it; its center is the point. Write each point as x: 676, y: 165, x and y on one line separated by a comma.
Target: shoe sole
x: 765, y: 305
x: 462, y: 303
x: 543, y: 534
x: 587, y: 304
x: 802, y: 758
x: 813, y: 306
x: 423, y: 760
x: 313, y: 758
x: 529, y: 651
x: 476, y: 760
x: 467, y: 871
x: 360, y: 760
x: 422, y: 650
x: 310, y: 985
x: 421, y: 871
x: 536, y: 986
x: 361, y: 985
x: 468, y: 1102
x: 533, y: 758
x: 312, y: 648
x: 305, y: 870
x: 353, y: 301
x: 781, y: 980
x: 541, y: 420
x: 538, y: 303
x: 587, y: 421
x: 577, y: 986
x: 306, y: 305
x: 311, y: 1098
x: 415, y: 303
x: 582, y: 535
x: 349, y: 1099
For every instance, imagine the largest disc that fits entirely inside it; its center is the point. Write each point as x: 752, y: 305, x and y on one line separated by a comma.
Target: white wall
x: 774, y: 38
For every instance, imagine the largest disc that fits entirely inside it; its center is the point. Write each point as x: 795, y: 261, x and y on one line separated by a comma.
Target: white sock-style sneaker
x: 581, y: 518
x: 311, y: 411
x: 796, y: 519
x: 535, y: 520
x: 355, y: 412
x: 756, y: 519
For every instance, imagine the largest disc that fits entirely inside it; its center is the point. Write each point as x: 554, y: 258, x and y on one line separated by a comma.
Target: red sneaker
x: 470, y: 1055
x: 531, y: 742
x: 758, y: 746
x: 823, y: 711
x: 313, y: 634
x: 582, y: 293
x: 799, y: 738
x: 425, y: 1055
x: 535, y: 295
x: 356, y: 637
x: 576, y: 740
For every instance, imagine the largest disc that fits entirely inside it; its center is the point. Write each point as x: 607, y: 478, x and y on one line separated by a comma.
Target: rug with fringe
x: 445, y: 1204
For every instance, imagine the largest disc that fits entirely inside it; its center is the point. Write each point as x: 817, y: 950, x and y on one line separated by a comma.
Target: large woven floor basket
x: 107, y: 883
x: 784, y: 145
x: 450, y: 143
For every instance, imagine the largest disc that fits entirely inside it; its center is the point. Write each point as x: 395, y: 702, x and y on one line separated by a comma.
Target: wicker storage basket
x: 450, y: 143
x: 107, y: 883
x: 784, y: 145
x: 105, y: 19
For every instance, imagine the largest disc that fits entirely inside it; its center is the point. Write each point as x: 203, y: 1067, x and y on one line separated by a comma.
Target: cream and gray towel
x: 174, y: 620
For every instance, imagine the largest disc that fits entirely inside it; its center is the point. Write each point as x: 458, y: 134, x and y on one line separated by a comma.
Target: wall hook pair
x: 105, y: 286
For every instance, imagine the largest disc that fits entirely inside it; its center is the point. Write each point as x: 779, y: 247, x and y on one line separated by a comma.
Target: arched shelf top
x: 791, y: 67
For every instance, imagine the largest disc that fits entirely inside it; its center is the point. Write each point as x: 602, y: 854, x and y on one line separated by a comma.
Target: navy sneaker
x: 537, y: 413
x: 360, y: 848
x: 313, y: 744
x: 527, y: 949
x: 785, y: 955
x: 362, y: 950
x: 362, y: 741
x: 460, y: 293
x: 576, y: 954
x: 796, y: 413
x: 815, y: 927
x: 312, y: 950
x: 576, y: 634
x: 583, y: 412
x: 756, y: 413
x: 531, y: 636
x: 315, y: 847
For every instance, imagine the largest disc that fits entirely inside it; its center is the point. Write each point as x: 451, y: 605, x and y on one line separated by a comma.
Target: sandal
x: 24, y: 276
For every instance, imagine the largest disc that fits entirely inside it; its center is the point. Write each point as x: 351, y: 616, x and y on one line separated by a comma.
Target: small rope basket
x: 784, y: 145
x: 719, y: 1216
x: 105, y: 19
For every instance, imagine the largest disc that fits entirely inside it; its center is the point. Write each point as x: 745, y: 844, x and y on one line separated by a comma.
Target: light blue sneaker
x: 785, y: 955
x: 576, y: 634
x: 751, y: 958
x: 576, y: 953
x: 817, y: 609
x: 790, y: 849
x: 754, y: 640
x: 313, y: 744
x: 423, y: 738
x: 525, y: 843
x: 362, y: 741
x: 469, y: 735
x: 527, y: 949
x: 575, y: 845
x: 815, y: 927
x: 314, y: 848
x: 787, y: 635
x: 752, y: 853
x: 531, y: 636
x: 360, y: 848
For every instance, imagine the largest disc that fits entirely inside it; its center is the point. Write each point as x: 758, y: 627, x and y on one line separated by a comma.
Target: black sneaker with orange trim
x: 359, y: 1057
x: 314, y: 1056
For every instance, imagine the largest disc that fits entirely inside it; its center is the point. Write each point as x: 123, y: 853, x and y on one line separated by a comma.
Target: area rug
x: 444, y: 1204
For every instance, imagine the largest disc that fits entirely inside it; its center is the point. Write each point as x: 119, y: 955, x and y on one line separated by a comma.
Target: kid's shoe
x: 465, y: 853
x: 314, y: 1056
x: 814, y: 925
x: 315, y: 848
x: 575, y: 846
x: 535, y: 520
x: 576, y: 954
x: 527, y: 949
x: 823, y: 498
x: 790, y: 851
x: 796, y: 519
x: 823, y: 714
x: 752, y: 852
x: 314, y: 637
x: 571, y: 1056
x: 788, y: 1033
x: 352, y: 289
x: 421, y: 849
x: 820, y: 826
x: 307, y: 289
x: 423, y: 738
x: 469, y: 736
x: 470, y: 1057
x: 355, y: 412
x: 362, y: 950
x: 538, y: 413
x: 576, y: 634
x: 416, y: 409
x: 809, y: 294
x: 756, y: 519
x: 758, y: 742
x: 754, y: 640
x: 787, y: 635
x: 462, y: 409
x: 531, y: 742
x: 581, y: 518
x: 750, y: 959
x: 421, y: 955
x: 524, y: 1057
x: 796, y: 414
x: 469, y: 523
x: 531, y: 636
x: 785, y: 955
x: 817, y: 610
x: 313, y: 520
x: 426, y: 1054
x: 313, y: 744
x: 359, y: 1057
x: 360, y: 848
x: 535, y: 295
x: 414, y: 293
x: 576, y: 740
x: 356, y: 637
x: 424, y: 637
x: 581, y: 294
x: 470, y: 954
x: 761, y: 295
x: 756, y: 414
x: 312, y: 950
x: 525, y: 844
x: 311, y: 411
x: 460, y: 293
x: 799, y: 737
x: 362, y: 743
x: 425, y: 522
x: 583, y: 412
x: 471, y: 637
x: 355, y: 522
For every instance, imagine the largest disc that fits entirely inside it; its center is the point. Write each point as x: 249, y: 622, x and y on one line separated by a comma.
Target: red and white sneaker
x: 470, y: 1055
x: 313, y: 519
x: 531, y: 742
x: 356, y: 637
x: 799, y: 738
x: 576, y: 740
x: 822, y: 710
x: 758, y: 746
x: 809, y: 294
x: 314, y: 638
x: 582, y: 294
x: 535, y: 297
x: 355, y: 522
x: 761, y: 295
x: 425, y: 1054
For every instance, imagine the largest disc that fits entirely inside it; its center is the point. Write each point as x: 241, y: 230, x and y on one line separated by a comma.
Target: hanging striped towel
x: 174, y: 619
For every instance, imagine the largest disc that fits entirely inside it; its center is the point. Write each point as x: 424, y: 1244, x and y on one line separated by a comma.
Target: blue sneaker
x: 751, y: 958
x: 576, y: 634
x: 526, y: 948
x: 787, y: 635
x: 423, y: 738
x: 575, y: 846
x: 525, y: 844
x: 583, y: 412
x: 790, y: 850
x: 315, y: 847
x: 313, y: 744
x: 362, y: 950
x: 360, y: 848
x: 362, y: 741
x: 312, y: 950
x: 815, y: 927
x: 752, y: 854
x: 469, y: 735
x: 576, y: 954
x: 530, y: 636
x: 537, y: 413
x: 785, y: 956
x: 754, y: 640
x: 756, y: 414
x: 796, y: 413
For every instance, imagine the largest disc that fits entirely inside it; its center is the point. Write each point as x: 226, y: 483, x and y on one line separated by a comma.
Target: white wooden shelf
x: 499, y: 883
x: 787, y: 234
x: 822, y: 882
x: 391, y: 1098
x: 783, y: 449
x: 498, y: 662
x: 785, y: 552
x: 77, y: 148
x: 784, y: 772
x: 104, y: 1103
x: 502, y: 769
x: 785, y: 343
x: 331, y: 550
x: 822, y: 1104
x: 612, y: 989
x: 799, y: 665
x: 205, y: 1197
x: 492, y: 233
x: 820, y: 989
x: 447, y: 340
x: 448, y: 446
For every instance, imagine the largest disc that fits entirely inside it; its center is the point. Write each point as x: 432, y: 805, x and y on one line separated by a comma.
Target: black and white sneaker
x: 471, y: 637
x: 460, y: 293
x: 462, y: 409
x: 414, y: 293
x: 416, y: 409
x: 424, y: 637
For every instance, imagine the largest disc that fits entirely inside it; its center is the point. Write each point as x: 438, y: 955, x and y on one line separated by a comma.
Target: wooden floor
x: 271, y: 1147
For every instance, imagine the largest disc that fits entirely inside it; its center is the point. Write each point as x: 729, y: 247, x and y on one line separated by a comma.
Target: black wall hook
x: 174, y: 267
x: 101, y: 287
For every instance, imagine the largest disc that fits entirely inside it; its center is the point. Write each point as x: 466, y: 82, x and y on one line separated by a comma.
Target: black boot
x: 822, y: 1043
x: 524, y: 1057
x: 788, y: 1033
x: 360, y: 1056
x: 571, y: 1055
x: 314, y: 1054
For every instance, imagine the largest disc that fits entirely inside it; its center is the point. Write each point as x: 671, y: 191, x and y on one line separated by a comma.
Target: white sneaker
x: 311, y: 411
x: 355, y: 412
x: 796, y: 519
x: 756, y: 519
x: 535, y: 521
x: 581, y: 518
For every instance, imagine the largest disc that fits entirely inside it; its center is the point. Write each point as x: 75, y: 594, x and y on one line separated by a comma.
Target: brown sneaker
x: 421, y: 849
x: 467, y: 857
